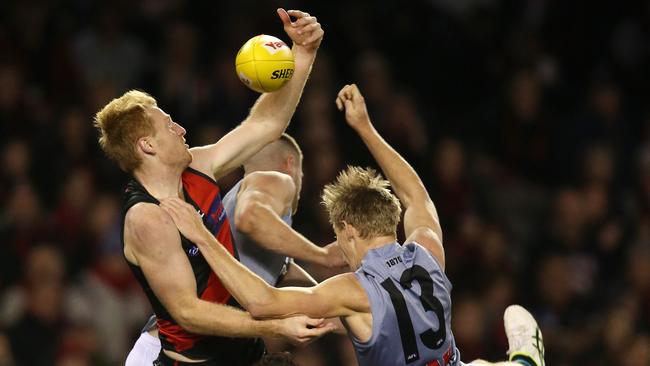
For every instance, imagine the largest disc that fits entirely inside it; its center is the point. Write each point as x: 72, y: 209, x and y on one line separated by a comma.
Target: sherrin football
x: 264, y: 63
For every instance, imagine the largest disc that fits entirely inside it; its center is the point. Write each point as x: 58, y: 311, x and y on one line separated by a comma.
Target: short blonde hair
x: 121, y: 123
x: 273, y: 155
x: 361, y: 198
x: 292, y: 144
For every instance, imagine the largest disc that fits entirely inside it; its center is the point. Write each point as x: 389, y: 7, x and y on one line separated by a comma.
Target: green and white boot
x: 524, y: 336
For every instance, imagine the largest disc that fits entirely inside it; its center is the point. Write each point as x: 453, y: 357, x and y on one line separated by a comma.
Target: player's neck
x: 374, y: 243
x: 160, y: 182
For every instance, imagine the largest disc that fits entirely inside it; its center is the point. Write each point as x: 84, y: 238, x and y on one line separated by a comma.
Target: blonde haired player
x: 397, y: 304
x: 196, y: 326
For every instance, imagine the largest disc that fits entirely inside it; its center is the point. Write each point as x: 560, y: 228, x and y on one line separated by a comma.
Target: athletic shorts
x: 145, y: 351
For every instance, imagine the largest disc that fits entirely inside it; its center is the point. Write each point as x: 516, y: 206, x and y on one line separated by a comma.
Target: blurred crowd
x: 529, y: 122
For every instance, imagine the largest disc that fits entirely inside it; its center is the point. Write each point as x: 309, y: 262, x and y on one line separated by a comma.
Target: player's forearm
x: 405, y: 181
x: 207, y: 318
x: 277, y: 108
x: 247, y: 288
x: 267, y: 229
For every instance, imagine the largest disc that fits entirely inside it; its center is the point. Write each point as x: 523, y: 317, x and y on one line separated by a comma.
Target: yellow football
x: 264, y: 63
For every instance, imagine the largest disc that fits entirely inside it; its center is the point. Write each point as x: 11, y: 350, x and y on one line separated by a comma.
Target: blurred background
x: 529, y: 122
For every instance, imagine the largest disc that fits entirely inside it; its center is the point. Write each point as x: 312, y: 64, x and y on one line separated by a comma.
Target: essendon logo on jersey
x: 193, y: 251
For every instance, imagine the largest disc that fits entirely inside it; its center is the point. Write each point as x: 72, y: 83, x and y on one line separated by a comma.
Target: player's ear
x: 350, y: 231
x: 289, y: 163
x: 145, y: 144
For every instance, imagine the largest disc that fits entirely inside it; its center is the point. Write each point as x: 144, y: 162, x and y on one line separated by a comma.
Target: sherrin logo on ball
x: 264, y: 63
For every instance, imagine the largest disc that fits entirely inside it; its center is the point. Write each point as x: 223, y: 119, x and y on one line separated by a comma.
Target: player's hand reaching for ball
x: 305, y: 31
x: 186, y: 218
x: 351, y: 101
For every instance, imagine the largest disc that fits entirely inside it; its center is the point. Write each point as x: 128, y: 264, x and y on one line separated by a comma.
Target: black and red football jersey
x: 203, y: 193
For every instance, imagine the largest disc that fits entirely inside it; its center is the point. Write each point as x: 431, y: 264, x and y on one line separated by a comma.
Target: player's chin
x: 189, y: 156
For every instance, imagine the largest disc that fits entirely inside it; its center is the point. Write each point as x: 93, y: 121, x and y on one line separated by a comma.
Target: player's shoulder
x: 344, y: 283
x: 141, y: 211
x: 273, y: 182
x: 343, y: 279
x: 144, y: 222
x: 268, y: 177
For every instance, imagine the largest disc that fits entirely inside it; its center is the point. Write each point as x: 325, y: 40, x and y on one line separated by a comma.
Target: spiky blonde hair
x: 361, y: 198
x: 121, y: 123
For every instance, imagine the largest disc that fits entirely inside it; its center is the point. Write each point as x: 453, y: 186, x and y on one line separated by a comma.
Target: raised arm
x: 341, y: 295
x: 272, y: 112
x: 153, y: 243
x: 263, y: 198
x: 421, y: 223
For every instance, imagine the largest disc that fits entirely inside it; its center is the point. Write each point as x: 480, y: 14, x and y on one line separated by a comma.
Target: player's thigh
x: 144, y: 351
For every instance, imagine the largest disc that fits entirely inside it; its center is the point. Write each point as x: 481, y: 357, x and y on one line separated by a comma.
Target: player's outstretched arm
x: 272, y: 112
x: 341, y: 295
x: 263, y: 198
x: 153, y: 243
x: 297, y: 276
x: 421, y: 223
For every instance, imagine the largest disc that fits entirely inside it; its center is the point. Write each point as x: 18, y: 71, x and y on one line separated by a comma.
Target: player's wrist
x: 322, y: 257
x: 302, y: 52
x: 202, y: 239
x: 364, y: 127
x: 271, y: 328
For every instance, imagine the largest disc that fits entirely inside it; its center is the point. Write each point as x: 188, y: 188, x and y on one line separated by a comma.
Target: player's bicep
x: 340, y: 295
x: 430, y: 240
x: 171, y: 279
x: 155, y: 242
x: 422, y: 214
